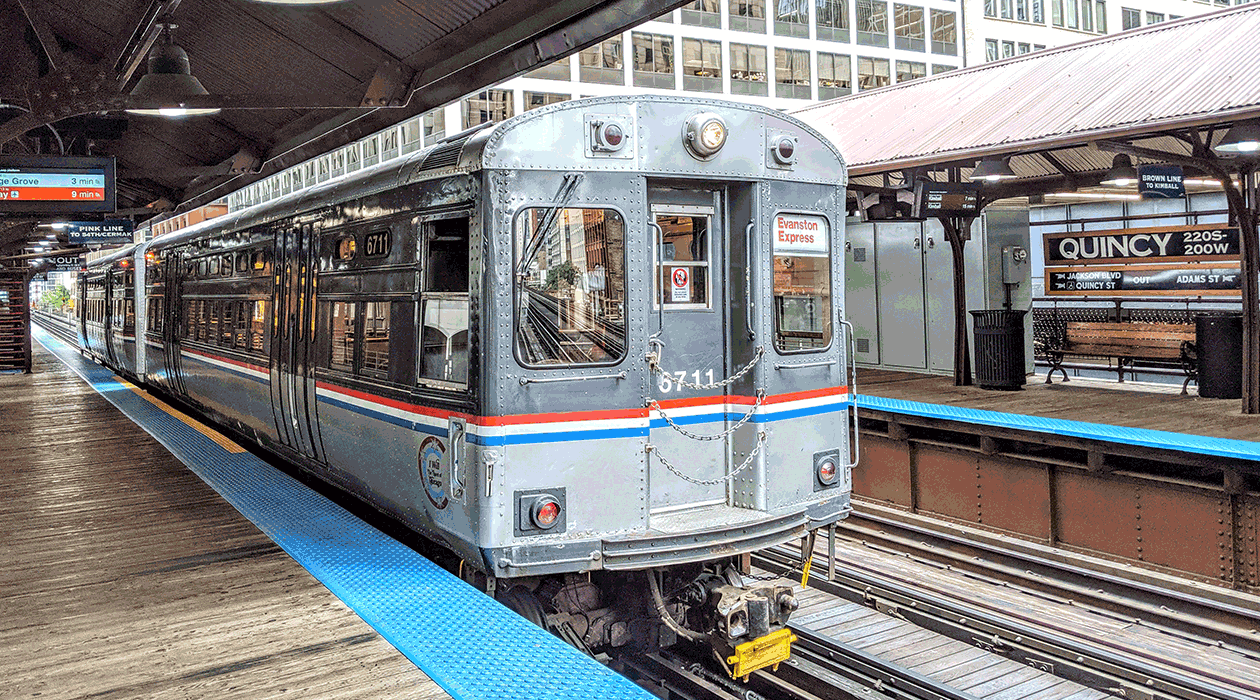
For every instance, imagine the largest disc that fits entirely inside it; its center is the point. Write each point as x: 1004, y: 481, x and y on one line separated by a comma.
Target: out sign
x: 680, y: 287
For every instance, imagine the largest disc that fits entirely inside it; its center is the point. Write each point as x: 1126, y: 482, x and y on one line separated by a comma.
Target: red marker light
x: 546, y: 512
x: 827, y: 471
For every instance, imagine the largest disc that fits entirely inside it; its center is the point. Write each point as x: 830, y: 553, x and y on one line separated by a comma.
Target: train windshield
x: 570, y: 286
x: 802, y: 283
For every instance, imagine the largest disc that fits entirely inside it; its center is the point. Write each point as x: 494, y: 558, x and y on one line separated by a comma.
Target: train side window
x: 190, y: 320
x: 346, y: 247
x: 259, y: 263
x: 802, y: 283
x: 570, y: 270
x: 444, y: 302
x: 376, y: 339
x: 228, y: 325
x: 342, y: 335
x: 212, y: 333
x: 242, y: 262
x: 243, y: 312
x: 129, y: 316
x: 212, y: 267
x: 202, y: 321
x: 258, y: 327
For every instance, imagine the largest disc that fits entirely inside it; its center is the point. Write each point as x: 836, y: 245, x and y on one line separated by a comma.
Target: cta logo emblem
x: 430, y: 459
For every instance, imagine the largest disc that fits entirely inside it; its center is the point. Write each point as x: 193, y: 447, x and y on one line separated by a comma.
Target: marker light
x: 546, y: 512
x: 609, y: 136
x: 704, y: 135
x: 827, y: 471
x: 784, y: 150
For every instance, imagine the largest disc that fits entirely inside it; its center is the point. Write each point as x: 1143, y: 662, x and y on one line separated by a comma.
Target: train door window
x: 257, y: 327
x: 342, y: 335
x: 376, y: 339
x: 802, y: 283
x: 227, y: 326
x: 683, y: 265
x: 570, y: 286
x: 444, y: 303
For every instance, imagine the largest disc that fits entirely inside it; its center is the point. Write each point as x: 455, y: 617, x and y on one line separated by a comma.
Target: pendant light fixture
x: 1243, y: 137
x: 1122, y: 173
x: 993, y: 169
x: 170, y: 81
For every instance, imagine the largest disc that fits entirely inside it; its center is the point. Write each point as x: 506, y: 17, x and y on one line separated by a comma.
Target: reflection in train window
x: 240, y: 338
x: 802, y: 285
x: 345, y: 248
x: 444, y: 342
x: 570, y: 286
x: 257, y: 326
x: 242, y: 261
x: 228, y: 326
x: 342, y: 336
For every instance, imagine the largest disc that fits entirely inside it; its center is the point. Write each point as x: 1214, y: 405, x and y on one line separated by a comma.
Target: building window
x: 653, y: 61
x: 1039, y: 47
x: 873, y: 73
x: 748, y: 15
x: 937, y: 70
x: 944, y: 33
x: 602, y: 63
x: 703, y: 13
x: 487, y: 106
x: 1008, y: 49
x: 791, y: 74
x: 748, y: 70
x: 990, y: 8
x: 1021, y: 10
x: 1154, y: 17
x: 1024, y: 47
x: 872, y: 22
x: 571, y: 286
x: 1100, y: 16
x: 1130, y: 18
x: 835, y: 75
x: 1087, y: 15
x: 791, y: 18
x: 558, y: 70
x: 533, y: 100
x: 990, y: 49
x: 908, y: 27
x: 1038, y: 14
x: 1005, y: 8
x: 1070, y: 14
x: 702, y: 65
x: 909, y: 70
x: 832, y: 18
x: 1056, y: 12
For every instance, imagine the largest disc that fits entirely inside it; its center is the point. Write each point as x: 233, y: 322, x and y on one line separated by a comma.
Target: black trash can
x: 999, y: 349
x: 1219, y: 341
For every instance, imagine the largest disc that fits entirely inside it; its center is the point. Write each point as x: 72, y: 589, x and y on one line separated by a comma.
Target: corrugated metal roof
x: 1192, y: 72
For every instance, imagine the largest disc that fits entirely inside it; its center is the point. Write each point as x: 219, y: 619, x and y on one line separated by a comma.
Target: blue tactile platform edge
x: 464, y: 640
x: 1142, y: 437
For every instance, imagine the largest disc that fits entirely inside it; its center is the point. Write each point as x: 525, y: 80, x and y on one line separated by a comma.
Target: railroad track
x: 55, y: 325
x: 1035, y: 637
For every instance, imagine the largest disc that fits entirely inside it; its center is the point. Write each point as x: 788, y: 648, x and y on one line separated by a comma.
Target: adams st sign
x: 1160, y: 244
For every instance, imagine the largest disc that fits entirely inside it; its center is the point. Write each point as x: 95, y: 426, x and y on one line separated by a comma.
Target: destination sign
x: 800, y: 234
x: 1161, y: 182
x: 108, y: 232
x: 942, y: 199
x: 1162, y: 244
x: 56, y: 184
x: 1152, y: 280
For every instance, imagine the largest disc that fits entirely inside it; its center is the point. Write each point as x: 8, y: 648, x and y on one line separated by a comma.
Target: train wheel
x: 523, y: 602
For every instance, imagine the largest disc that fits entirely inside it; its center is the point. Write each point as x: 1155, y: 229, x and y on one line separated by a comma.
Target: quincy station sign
x: 1162, y: 244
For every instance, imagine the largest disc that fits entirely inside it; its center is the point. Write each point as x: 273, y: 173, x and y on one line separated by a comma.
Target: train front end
x: 665, y: 355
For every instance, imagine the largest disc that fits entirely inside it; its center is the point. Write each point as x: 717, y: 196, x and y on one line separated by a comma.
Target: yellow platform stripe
x: 219, y: 438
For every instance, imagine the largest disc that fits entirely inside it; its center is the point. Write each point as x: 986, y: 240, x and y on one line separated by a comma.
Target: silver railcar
x: 603, y: 336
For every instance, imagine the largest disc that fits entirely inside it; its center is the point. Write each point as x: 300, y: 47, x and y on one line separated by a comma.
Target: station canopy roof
x: 295, y: 81
x: 1151, y: 87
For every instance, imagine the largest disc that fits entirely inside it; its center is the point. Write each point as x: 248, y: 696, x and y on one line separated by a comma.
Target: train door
x: 177, y: 314
x: 292, y: 343
x: 688, y: 327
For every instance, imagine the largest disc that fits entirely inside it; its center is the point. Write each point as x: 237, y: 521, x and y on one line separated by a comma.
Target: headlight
x: 704, y: 135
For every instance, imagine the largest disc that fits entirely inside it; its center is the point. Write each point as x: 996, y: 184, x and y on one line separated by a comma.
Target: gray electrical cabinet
x: 899, y: 287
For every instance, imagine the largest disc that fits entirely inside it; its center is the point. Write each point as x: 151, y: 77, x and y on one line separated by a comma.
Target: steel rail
x: 1083, y: 661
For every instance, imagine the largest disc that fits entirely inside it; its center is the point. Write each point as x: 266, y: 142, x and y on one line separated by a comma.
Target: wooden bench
x: 1127, y: 342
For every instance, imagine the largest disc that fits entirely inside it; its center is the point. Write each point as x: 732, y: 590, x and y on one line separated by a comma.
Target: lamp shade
x: 993, y: 169
x: 1241, y: 138
x: 1122, y: 173
x: 169, y: 82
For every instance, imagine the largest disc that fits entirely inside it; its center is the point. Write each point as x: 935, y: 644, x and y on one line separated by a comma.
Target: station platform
x: 1146, y: 415
x: 149, y: 556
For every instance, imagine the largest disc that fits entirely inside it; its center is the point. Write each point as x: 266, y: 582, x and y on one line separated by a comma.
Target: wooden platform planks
x: 124, y: 576
x: 1135, y: 405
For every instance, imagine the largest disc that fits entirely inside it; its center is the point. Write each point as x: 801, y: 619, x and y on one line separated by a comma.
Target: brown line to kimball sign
x: 1157, y: 244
